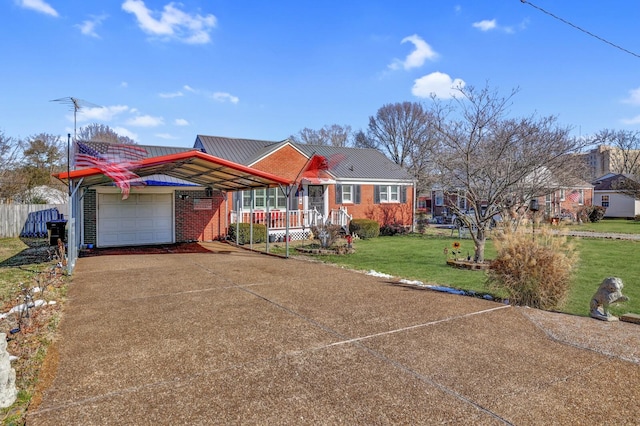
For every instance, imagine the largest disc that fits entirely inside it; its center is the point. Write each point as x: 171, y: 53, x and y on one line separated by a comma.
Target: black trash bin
x: 56, y: 231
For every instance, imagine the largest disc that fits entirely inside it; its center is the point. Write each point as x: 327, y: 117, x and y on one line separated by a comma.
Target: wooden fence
x: 28, y: 219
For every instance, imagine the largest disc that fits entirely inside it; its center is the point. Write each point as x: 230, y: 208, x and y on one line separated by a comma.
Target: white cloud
x: 632, y: 121
x: 439, y: 84
x: 172, y: 23
x: 100, y: 113
x: 124, y: 84
x: 189, y: 88
x: 39, y: 6
x: 485, y: 25
x: 224, y: 97
x: 417, y: 57
x: 145, y: 121
x: 126, y: 132
x: 88, y: 27
x: 165, y: 136
x: 171, y: 95
x: 634, y: 97
x: 181, y: 122
x: 490, y: 25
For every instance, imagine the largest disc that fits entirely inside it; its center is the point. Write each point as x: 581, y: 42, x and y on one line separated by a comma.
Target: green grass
x: 418, y: 257
x: 616, y: 226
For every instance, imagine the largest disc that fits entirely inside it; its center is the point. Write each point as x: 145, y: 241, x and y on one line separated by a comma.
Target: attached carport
x: 194, y: 166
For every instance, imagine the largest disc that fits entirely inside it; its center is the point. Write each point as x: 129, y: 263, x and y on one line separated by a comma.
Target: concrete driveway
x: 234, y: 337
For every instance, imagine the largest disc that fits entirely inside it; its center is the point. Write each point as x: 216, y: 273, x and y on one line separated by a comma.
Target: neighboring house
x: 197, y: 194
x: 562, y: 202
x: 359, y: 183
x: 617, y: 204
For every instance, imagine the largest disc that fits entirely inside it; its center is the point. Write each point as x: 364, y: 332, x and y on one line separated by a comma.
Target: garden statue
x: 8, y: 390
x: 609, y: 292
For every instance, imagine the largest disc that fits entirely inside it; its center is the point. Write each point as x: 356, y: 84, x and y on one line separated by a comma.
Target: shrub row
x: 244, y: 232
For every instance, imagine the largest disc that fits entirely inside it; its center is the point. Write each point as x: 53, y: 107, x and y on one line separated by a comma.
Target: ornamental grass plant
x: 533, y: 270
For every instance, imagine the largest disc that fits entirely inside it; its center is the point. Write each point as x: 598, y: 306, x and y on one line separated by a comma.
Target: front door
x: 316, y: 198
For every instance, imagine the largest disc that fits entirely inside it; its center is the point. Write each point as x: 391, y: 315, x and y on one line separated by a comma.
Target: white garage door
x: 140, y: 219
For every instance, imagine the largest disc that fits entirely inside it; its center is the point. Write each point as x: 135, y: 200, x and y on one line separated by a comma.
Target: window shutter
x: 376, y: 194
x: 356, y: 195
x: 338, y: 193
x: 403, y: 194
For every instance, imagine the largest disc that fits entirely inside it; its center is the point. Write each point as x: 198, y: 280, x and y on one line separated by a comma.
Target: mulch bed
x: 153, y: 249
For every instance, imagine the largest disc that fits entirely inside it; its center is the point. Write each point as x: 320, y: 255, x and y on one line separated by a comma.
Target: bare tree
x: 102, y: 133
x: 405, y: 132
x: 334, y: 135
x: 43, y: 155
x: 10, y: 149
x: 494, y: 163
x: 624, y: 149
x: 362, y: 140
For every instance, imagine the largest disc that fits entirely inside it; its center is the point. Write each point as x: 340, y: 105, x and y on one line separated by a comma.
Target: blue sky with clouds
x: 164, y: 72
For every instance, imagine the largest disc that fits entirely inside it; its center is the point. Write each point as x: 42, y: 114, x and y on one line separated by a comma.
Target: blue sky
x: 164, y: 72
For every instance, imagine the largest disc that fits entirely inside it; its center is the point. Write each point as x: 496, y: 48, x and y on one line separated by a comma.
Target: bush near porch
x: 243, y: 233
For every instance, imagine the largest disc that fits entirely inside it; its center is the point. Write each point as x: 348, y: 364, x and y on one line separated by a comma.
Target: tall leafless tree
x: 10, y: 149
x: 496, y: 163
x: 334, y: 135
x: 405, y: 132
x: 43, y: 155
x: 624, y: 146
x: 102, y: 133
x: 624, y: 158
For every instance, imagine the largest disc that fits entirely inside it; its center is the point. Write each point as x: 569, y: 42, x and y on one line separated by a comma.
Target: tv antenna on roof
x: 76, y: 105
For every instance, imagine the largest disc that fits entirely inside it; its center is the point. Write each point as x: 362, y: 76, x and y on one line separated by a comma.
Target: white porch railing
x: 277, y: 219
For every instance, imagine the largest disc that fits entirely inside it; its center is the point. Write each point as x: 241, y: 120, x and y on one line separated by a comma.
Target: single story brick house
x: 359, y: 183
x: 198, y: 193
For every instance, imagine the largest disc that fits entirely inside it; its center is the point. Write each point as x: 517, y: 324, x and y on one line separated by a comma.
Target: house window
x: 581, y: 197
x: 605, y: 201
x: 273, y: 196
x: 562, y: 195
x: 389, y: 193
x: 347, y: 193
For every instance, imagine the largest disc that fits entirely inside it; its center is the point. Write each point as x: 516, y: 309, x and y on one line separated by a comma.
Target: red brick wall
x: 286, y: 162
x: 385, y: 213
x: 199, y: 225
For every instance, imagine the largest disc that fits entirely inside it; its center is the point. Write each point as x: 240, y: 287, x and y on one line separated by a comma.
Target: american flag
x: 116, y: 162
x: 574, y: 196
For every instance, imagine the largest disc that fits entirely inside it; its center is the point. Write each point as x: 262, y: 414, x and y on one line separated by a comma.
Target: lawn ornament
x: 609, y: 292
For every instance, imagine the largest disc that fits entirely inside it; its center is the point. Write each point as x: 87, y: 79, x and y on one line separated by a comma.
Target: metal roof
x: 193, y: 166
x: 354, y: 164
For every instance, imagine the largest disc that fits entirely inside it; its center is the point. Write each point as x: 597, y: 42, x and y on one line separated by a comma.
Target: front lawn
x: 421, y: 257
x: 616, y: 226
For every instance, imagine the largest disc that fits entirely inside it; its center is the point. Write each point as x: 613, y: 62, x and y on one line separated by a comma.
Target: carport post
x: 238, y: 204
x: 251, y: 219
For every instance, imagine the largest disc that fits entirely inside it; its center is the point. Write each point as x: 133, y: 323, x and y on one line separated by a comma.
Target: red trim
x: 163, y: 159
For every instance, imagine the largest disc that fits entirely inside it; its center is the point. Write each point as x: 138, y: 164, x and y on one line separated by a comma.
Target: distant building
x: 605, y: 159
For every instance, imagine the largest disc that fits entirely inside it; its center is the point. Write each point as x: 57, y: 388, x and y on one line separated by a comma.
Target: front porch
x: 300, y: 221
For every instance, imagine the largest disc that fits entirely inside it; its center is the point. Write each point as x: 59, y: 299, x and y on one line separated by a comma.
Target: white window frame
x: 260, y: 199
x: 581, y: 199
x: 389, y: 194
x: 605, y: 201
x: 347, y: 194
